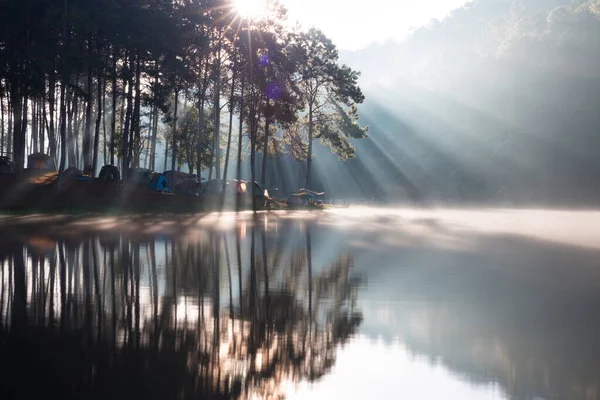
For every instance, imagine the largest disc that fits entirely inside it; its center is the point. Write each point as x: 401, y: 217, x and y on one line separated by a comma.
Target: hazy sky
x: 353, y: 24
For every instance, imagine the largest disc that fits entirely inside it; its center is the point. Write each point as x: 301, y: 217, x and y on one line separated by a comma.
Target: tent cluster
x: 170, y: 182
x: 167, y: 182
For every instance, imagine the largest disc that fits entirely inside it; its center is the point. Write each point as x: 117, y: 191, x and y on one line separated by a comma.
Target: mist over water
x: 353, y: 303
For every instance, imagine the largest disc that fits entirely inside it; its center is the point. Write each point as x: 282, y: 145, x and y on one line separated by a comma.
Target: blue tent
x: 160, y: 183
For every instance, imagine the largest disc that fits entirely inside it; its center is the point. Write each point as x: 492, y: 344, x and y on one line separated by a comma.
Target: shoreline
x: 44, y: 194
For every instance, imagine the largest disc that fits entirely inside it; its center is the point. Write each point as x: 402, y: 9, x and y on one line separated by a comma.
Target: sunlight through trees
x: 114, y: 81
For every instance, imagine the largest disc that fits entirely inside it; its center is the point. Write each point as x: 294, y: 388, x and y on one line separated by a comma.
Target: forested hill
x: 498, y: 102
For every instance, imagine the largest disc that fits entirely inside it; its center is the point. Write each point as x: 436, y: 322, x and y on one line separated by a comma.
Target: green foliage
x: 133, y: 58
x: 330, y: 92
x: 336, y: 128
x: 189, y: 132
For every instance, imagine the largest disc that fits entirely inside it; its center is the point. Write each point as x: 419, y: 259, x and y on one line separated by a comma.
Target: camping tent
x: 139, y: 175
x: 41, y: 161
x: 6, y: 166
x: 110, y: 173
x: 68, y: 176
x: 182, y: 182
x: 159, y: 183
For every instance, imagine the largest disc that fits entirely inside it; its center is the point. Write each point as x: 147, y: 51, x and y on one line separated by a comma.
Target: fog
x: 496, y: 104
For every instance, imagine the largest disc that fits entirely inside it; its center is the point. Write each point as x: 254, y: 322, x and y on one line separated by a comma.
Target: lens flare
x: 251, y: 9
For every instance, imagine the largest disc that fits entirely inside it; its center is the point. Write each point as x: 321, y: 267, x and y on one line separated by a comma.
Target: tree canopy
x: 85, y: 80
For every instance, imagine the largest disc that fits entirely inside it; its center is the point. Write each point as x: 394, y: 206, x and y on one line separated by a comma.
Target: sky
x: 354, y: 24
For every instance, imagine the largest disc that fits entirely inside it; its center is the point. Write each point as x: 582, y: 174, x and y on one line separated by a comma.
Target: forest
x: 113, y: 82
x: 497, y: 103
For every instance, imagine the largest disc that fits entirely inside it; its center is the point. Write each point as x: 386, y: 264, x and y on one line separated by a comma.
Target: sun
x: 251, y: 9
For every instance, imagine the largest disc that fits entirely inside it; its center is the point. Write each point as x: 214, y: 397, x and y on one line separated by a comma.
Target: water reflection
x: 458, y: 305
x: 233, y: 313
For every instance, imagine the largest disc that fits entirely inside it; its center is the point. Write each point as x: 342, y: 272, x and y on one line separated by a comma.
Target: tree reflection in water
x: 223, y: 314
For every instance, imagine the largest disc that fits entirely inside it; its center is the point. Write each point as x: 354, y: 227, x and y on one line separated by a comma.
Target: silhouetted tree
x: 330, y: 92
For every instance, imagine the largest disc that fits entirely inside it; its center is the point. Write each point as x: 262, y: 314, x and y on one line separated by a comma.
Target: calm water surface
x: 348, y: 304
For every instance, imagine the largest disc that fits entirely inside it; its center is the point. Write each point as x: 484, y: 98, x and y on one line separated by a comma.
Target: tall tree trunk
x: 74, y: 144
x: 185, y: 117
x: 104, y: 142
x: 18, y: 104
x: 154, y: 136
x: 24, y: 125
x: 29, y: 146
x: 212, y: 164
x: 231, y: 99
x: 166, y: 154
x: 310, y: 142
x: 52, y: 109
x: 253, y: 128
x: 10, y: 127
x: 97, y: 131
x: 42, y: 126
x: 34, y: 126
x: 135, y: 138
x: 2, y: 131
x: 268, y: 112
x: 71, y: 103
x: 122, y: 113
x: 263, y: 175
x: 238, y: 173
x: 63, y: 128
x: 201, y: 115
x: 154, y: 121
x: 63, y: 108
x: 38, y: 125
x: 86, y: 142
x: 150, y: 130
x: 113, y: 121
x: 217, y: 110
x: 201, y: 120
x: 174, y: 137
x: 77, y: 134
x: 126, y: 129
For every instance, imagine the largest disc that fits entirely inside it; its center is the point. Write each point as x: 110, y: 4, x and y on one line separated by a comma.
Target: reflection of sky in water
x: 468, y: 305
x: 371, y: 369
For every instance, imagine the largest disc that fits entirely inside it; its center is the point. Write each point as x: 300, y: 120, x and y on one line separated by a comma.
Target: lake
x: 353, y: 303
